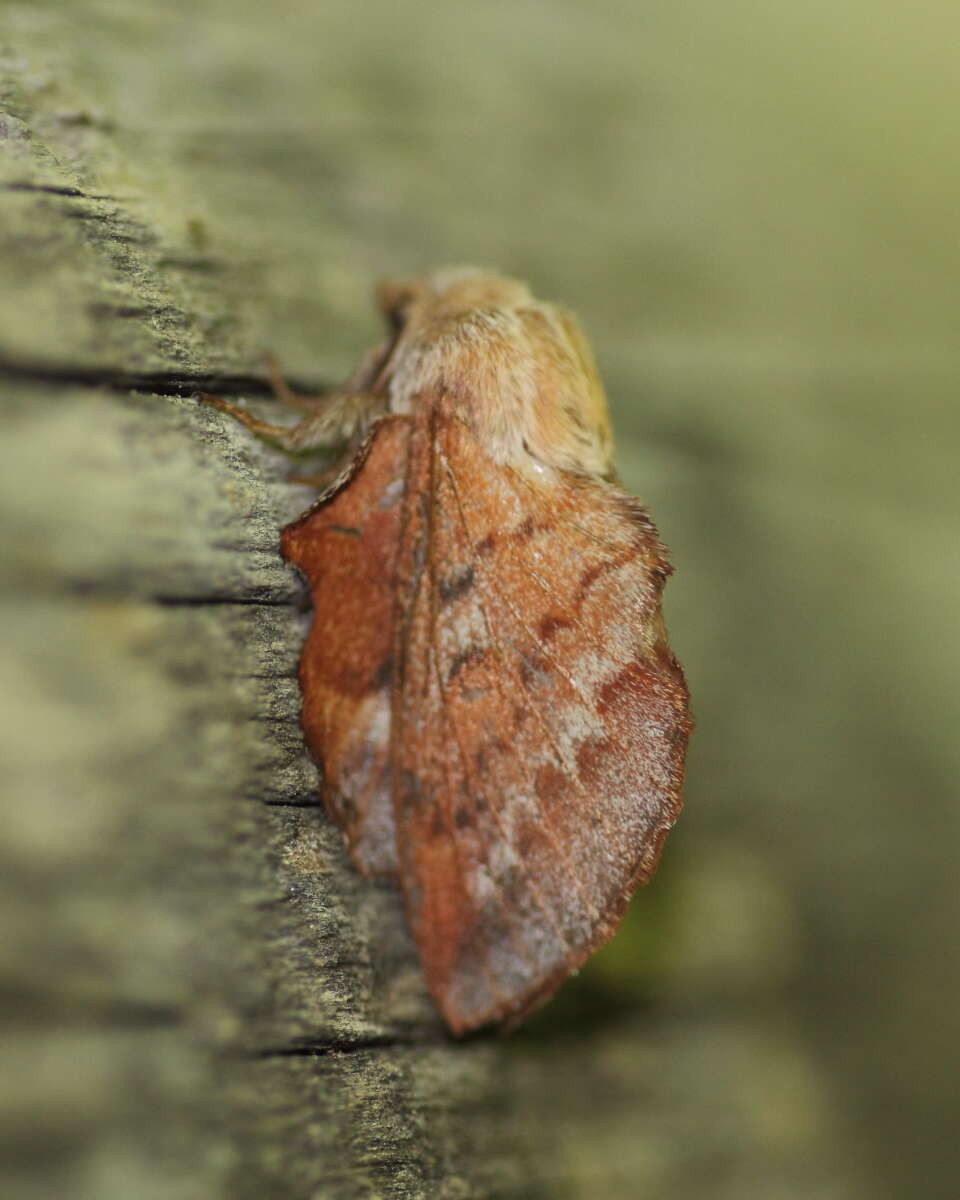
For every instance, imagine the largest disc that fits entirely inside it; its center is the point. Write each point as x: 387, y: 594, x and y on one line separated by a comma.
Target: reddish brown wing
x: 347, y: 548
x: 540, y: 720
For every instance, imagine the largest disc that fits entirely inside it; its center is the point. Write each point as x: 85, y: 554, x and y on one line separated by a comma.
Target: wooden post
x: 202, y: 998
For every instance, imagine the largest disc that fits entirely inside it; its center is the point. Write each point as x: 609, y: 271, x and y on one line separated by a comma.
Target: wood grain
x: 200, y: 997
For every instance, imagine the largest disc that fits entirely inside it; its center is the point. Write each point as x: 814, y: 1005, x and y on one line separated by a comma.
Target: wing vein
x: 548, y: 822
x: 533, y: 637
x: 535, y: 891
x: 501, y: 998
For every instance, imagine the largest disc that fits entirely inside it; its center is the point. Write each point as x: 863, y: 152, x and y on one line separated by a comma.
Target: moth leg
x: 275, y: 433
x: 284, y: 393
x: 320, y: 482
x: 333, y: 419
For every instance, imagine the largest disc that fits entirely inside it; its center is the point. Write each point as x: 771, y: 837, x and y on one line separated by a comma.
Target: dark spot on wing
x: 384, y: 675
x: 452, y: 587
x: 529, y: 528
x: 359, y: 760
x: 534, y: 669
x: 463, y: 818
x: 513, y: 887
x: 341, y: 808
x: 409, y: 793
x: 490, y: 926
x: 636, y: 681
x: 591, y: 756
x: 552, y: 624
x: 418, y: 557
x: 592, y: 574
x: 495, y: 747
x: 678, y: 733
x: 528, y: 839
x: 469, y: 656
x: 551, y: 781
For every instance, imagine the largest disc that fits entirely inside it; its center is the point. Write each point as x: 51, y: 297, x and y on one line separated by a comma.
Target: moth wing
x: 540, y: 721
x: 346, y: 546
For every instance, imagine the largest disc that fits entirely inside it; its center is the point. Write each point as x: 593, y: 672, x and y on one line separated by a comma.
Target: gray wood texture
x: 200, y: 997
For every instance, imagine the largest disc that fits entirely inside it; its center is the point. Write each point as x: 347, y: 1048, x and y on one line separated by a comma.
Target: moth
x: 488, y: 691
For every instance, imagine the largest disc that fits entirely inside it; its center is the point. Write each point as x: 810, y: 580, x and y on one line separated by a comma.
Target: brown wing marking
x: 470, y: 887
x: 346, y: 546
x: 505, y: 929
x: 441, y: 853
x: 540, y: 721
x: 618, y: 553
x: 561, y: 852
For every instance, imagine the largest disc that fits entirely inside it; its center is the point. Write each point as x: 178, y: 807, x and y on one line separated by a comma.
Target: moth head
x: 522, y: 370
x: 446, y: 294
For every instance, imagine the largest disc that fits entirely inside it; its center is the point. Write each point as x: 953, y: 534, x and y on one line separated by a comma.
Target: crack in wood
x: 311, y: 802
x: 162, y: 383
x: 307, y: 1049
x: 204, y: 601
x: 50, y: 189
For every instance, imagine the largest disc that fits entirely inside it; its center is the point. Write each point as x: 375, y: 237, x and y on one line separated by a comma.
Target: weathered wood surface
x: 202, y: 999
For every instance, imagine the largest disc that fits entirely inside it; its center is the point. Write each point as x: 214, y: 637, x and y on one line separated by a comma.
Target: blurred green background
x: 752, y: 206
